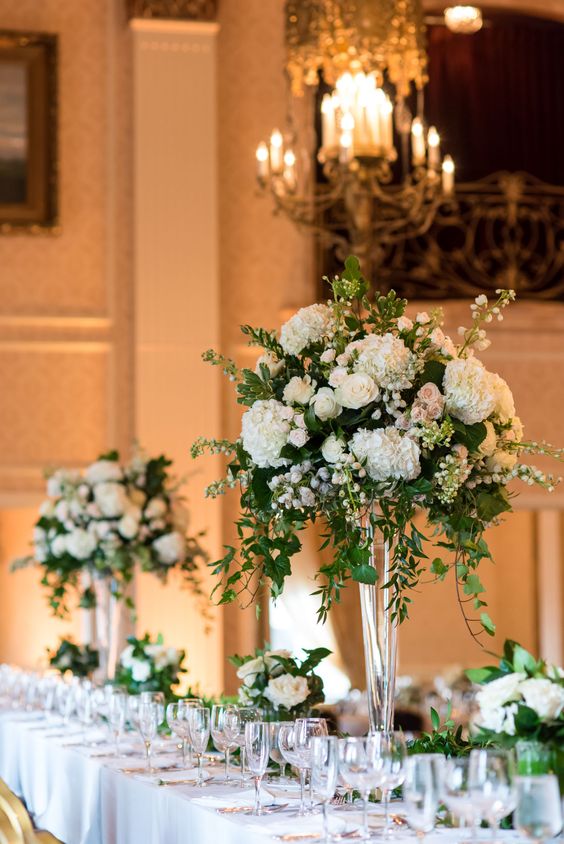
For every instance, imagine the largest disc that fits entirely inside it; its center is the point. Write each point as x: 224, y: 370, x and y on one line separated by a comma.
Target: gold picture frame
x: 28, y: 132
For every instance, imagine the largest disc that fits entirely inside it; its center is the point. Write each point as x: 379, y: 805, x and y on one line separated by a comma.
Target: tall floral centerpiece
x: 148, y: 665
x: 98, y: 525
x: 280, y: 684
x: 357, y: 416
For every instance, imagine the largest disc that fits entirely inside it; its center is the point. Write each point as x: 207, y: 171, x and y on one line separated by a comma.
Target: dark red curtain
x: 497, y: 97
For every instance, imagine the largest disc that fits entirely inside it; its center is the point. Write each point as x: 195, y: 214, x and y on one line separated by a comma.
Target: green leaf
x: 435, y: 719
x: 523, y: 660
x: 439, y: 568
x: 489, y: 505
x: 433, y: 371
x: 473, y: 585
x: 487, y: 624
x: 526, y: 720
x: 365, y: 574
x: 469, y: 435
x: 479, y: 675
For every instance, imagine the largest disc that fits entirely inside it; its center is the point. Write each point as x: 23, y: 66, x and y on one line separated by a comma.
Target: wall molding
x: 192, y: 10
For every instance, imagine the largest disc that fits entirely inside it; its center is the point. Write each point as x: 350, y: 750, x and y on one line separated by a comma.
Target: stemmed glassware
x: 85, y: 709
x: 247, y: 714
x: 490, y: 777
x: 199, y: 729
x: 305, y: 730
x: 421, y: 793
x: 177, y: 720
x: 538, y: 810
x: 287, y: 745
x: 150, y: 716
x: 117, y: 712
x: 362, y: 766
x: 257, y: 745
x: 324, y: 773
x: 275, y: 752
x: 225, y: 723
x: 457, y: 793
x: 393, y: 750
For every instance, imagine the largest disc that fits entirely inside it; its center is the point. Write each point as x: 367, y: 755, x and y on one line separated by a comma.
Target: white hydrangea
x: 159, y: 655
x: 544, y: 696
x: 389, y: 454
x: 80, y: 544
x: 170, y: 547
x: 264, y: 431
x: 59, y: 545
x: 307, y: 326
x: 111, y: 498
x: 386, y: 359
x: 102, y: 471
x: 504, y: 403
x: 287, y: 691
x: 128, y: 526
x: 469, y: 392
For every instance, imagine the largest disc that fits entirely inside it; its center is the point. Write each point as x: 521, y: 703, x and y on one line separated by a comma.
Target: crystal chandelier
x: 382, y: 172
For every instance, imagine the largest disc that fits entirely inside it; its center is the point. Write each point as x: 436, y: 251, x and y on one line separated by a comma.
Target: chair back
x: 15, y: 824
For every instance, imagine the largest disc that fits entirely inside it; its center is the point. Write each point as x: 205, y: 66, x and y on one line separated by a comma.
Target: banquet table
x: 82, y: 797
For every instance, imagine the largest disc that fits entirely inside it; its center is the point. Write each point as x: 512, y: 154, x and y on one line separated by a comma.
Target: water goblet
x: 421, y: 788
x: 305, y: 730
x: 394, y: 754
x: 247, y: 714
x: 538, y: 811
x: 199, y: 729
x: 150, y: 716
x: 287, y: 745
x: 275, y: 752
x: 490, y: 780
x: 457, y: 793
x: 176, y: 720
x: 224, y: 730
x: 189, y: 702
x: 361, y: 765
x: 117, y: 711
x: 325, y: 773
x: 257, y: 745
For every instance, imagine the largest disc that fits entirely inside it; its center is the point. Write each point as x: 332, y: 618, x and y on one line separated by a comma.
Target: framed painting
x: 28, y: 132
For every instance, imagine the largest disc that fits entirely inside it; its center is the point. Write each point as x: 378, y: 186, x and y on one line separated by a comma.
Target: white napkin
x: 301, y: 826
x: 243, y: 798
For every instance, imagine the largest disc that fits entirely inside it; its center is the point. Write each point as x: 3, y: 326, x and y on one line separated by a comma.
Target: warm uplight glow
x: 360, y: 108
x: 464, y: 19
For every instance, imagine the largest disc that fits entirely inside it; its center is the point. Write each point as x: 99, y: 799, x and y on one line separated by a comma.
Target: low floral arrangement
x: 354, y: 404
x: 147, y: 665
x: 104, y: 521
x: 279, y: 683
x: 522, y: 698
x: 80, y: 660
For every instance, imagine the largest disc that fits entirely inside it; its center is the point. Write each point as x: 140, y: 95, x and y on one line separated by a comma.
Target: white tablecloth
x: 84, y: 800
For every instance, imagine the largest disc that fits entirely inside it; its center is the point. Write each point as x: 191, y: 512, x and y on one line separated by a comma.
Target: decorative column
x: 177, y: 285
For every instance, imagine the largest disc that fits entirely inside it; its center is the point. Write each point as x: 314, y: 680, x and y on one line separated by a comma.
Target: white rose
x: 498, y: 692
x: 332, y: 449
x: 489, y: 443
x: 325, y: 405
x: 173, y: 656
x: 544, y: 696
x: 126, y: 657
x: 328, y: 356
x: 170, y: 548
x: 111, y: 498
x: 59, y: 545
x: 156, y: 508
x: 140, y: 670
x: 501, y: 461
x: 159, y: 655
x: 337, y: 376
x: 307, y: 326
x: 298, y: 390
x: 273, y: 365
x: 430, y: 394
x: 251, y: 668
x: 388, y: 454
x: 272, y: 665
x: 47, y: 509
x: 469, y: 393
x: 128, y: 526
x: 504, y: 404
x: 102, y: 471
x: 356, y: 391
x: 298, y: 437
x: 264, y: 432
x: 287, y: 691
x: 80, y: 544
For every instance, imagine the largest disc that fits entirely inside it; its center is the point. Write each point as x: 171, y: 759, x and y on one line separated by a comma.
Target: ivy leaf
x: 487, y: 624
x: 433, y: 371
x: 523, y: 660
x: 365, y: 574
x: 439, y: 568
x: 473, y: 585
x: 469, y: 435
x: 489, y: 505
x: 480, y: 675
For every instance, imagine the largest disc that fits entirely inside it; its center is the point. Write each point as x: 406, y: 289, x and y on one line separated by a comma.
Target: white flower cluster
x: 309, y: 325
x: 156, y: 657
x: 499, y: 700
x: 283, y: 690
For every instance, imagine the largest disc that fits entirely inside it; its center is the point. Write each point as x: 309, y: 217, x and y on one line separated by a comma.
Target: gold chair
x: 15, y: 824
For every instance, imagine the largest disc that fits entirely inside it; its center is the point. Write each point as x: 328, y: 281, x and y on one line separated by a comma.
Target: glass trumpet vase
x: 379, y: 631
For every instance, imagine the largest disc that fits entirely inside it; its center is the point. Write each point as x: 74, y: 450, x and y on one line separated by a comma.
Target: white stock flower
x: 80, y: 544
x: 111, y: 498
x: 170, y: 548
x: 156, y: 508
x: 544, y: 696
x: 307, y: 326
x: 264, y: 432
x: 287, y: 691
x: 298, y: 390
x: 250, y: 669
x: 102, y: 471
x: 386, y: 359
x: 468, y: 389
x: 489, y: 443
x: 59, y: 545
x: 325, y: 405
x: 273, y: 365
x: 501, y: 461
x: 389, y: 455
x: 140, y: 670
x: 356, y: 391
x: 333, y: 449
x: 128, y: 526
x: 504, y: 404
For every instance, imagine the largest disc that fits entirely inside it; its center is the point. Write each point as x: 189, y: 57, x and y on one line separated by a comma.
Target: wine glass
x: 199, y: 729
x: 150, y: 716
x: 324, y: 773
x: 305, y: 730
x: 85, y: 709
x: 188, y: 703
x: 224, y: 729
x: 117, y: 711
x: 362, y: 766
x: 178, y: 723
x: 393, y: 751
x: 348, y: 786
x: 421, y: 790
x: 457, y: 793
x: 275, y: 752
x: 538, y: 811
x: 490, y: 780
x: 247, y: 714
x: 287, y: 746
x: 257, y: 745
